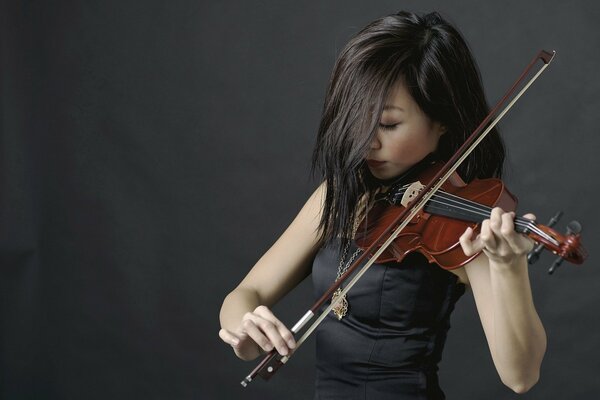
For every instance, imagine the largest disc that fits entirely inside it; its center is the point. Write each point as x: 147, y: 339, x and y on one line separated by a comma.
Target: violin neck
x: 452, y: 206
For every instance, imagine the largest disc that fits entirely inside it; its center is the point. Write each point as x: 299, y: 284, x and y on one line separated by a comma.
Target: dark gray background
x: 151, y: 151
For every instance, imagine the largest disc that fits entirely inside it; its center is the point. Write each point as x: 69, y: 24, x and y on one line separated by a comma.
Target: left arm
x: 500, y: 281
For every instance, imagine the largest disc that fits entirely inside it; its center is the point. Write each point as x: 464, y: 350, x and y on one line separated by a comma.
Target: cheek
x: 405, y: 148
x: 428, y: 140
x: 414, y: 146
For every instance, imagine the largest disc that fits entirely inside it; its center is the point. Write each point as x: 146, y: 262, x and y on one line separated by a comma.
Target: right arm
x: 247, y: 324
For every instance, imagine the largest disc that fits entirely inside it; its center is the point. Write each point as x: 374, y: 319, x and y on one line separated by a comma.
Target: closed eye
x: 388, y: 127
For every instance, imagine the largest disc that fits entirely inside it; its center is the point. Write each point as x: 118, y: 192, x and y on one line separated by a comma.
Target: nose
x: 375, y: 142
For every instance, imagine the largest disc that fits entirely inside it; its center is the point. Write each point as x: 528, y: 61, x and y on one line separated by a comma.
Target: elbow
x: 524, y: 375
x: 521, y: 388
x: 524, y: 384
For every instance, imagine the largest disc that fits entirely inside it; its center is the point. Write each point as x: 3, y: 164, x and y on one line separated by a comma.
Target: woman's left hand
x: 498, y: 239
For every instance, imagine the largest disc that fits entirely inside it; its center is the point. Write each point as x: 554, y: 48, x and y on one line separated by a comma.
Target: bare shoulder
x: 288, y: 260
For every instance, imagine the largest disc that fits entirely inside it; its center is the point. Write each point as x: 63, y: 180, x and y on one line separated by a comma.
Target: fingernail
x: 235, y: 342
x: 292, y: 344
x: 269, y: 347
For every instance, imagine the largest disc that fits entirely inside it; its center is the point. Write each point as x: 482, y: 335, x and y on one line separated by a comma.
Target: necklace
x: 341, y: 309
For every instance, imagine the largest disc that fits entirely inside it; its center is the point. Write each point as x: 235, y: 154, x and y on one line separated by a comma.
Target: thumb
x: 469, y: 246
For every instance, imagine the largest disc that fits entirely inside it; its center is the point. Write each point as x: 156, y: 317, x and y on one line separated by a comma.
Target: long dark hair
x: 434, y: 61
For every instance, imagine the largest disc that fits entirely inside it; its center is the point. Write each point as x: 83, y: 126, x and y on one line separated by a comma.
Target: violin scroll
x: 567, y: 247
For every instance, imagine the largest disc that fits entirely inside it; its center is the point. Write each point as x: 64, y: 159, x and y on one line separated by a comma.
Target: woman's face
x: 404, y: 137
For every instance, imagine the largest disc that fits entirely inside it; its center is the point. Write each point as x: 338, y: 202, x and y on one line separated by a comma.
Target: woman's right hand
x: 259, y: 330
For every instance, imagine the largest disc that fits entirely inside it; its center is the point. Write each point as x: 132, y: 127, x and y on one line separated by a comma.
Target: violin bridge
x: 411, y: 192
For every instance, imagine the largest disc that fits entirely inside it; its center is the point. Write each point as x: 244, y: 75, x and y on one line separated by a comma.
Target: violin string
x: 483, y: 211
x: 517, y: 221
x: 469, y: 206
x: 480, y: 210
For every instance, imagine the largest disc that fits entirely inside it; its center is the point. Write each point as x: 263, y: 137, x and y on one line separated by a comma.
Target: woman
x: 404, y: 91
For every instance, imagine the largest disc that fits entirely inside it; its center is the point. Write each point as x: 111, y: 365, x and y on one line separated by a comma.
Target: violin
x: 435, y: 229
x: 430, y: 218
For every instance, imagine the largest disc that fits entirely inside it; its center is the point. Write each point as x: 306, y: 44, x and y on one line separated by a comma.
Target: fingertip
x: 466, y: 234
x: 530, y: 216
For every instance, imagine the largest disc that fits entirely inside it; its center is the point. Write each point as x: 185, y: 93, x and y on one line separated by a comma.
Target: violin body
x: 430, y: 233
x: 435, y: 230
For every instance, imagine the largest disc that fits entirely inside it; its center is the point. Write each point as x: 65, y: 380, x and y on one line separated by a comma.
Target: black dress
x: 390, y: 342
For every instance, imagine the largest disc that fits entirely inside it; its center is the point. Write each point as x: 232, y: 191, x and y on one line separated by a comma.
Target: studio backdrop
x: 150, y: 153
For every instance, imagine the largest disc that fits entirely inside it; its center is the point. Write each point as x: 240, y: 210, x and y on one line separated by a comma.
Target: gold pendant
x: 341, y: 308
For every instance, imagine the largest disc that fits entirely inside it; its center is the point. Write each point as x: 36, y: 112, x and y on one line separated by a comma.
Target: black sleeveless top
x: 391, y: 340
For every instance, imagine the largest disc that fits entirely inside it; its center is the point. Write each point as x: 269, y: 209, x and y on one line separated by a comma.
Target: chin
x: 383, y: 177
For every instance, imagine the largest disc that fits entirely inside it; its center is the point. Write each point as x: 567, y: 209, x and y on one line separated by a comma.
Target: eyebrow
x: 389, y: 107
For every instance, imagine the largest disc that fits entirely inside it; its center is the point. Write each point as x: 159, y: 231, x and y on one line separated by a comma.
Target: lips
x: 375, y: 163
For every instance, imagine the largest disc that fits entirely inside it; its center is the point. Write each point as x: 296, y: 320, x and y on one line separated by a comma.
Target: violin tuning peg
x: 555, y: 219
x: 555, y: 265
x: 573, y: 228
x: 534, y: 254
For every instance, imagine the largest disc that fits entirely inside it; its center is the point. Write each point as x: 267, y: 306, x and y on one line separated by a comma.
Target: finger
x: 229, y: 337
x: 256, y: 334
x: 285, y: 333
x: 519, y: 243
x: 507, y: 225
x: 508, y: 233
x: 524, y: 223
x: 487, y: 235
x: 465, y: 241
x: 530, y: 216
x: 495, y: 219
x: 268, y: 329
x: 470, y: 247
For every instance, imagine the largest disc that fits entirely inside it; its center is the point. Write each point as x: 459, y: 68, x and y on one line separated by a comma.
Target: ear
x: 440, y: 129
